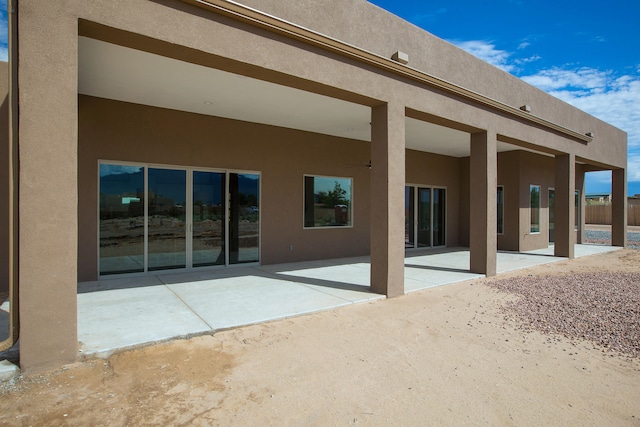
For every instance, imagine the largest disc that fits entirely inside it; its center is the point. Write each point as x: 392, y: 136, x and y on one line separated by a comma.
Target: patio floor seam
x: 185, y: 303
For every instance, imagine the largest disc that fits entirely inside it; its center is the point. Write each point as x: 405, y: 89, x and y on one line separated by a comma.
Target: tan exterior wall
x: 331, y: 74
x: 465, y: 202
x: 52, y: 167
x: 117, y: 131
x: 433, y: 170
x: 4, y: 178
x: 509, y: 177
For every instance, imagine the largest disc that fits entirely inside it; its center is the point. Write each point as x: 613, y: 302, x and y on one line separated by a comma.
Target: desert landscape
x: 480, y: 352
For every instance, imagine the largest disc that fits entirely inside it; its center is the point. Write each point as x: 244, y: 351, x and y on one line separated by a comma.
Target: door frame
x: 551, y: 212
x: 188, y: 218
x: 431, y: 188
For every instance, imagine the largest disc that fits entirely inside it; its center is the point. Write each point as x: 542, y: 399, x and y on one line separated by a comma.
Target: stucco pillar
x: 387, y: 199
x: 619, y: 207
x: 483, y: 239
x: 565, y: 205
x: 48, y: 196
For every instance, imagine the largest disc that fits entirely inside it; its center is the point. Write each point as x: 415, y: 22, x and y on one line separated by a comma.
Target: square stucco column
x: 564, y: 221
x: 619, y: 207
x: 48, y: 195
x: 387, y: 199
x: 483, y: 238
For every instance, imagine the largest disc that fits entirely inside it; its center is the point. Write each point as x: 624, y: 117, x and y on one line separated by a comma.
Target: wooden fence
x: 601, y: 214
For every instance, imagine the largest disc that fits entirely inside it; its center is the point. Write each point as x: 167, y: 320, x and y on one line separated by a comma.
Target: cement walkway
x: 124, y: 313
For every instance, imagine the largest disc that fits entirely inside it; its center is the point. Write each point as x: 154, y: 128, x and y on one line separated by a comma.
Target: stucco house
x: 146, y: 135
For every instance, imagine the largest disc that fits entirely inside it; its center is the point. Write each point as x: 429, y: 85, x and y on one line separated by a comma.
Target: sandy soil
x: 444, y: 356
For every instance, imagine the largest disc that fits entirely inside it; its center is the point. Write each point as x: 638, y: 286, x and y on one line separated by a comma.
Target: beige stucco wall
x: 118, y: 131
x: 329, y: 73
x: 115, y: 131
x: 49, y: 176
x: 354, y: 21
x: 4, y: 177
x: 429, y: 170
x: 508, y: 177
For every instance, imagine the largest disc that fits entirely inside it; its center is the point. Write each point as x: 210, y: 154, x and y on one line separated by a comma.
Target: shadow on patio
x: 122, y: 313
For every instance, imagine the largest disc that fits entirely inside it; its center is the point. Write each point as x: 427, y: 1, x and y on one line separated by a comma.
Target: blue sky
x: 586, y: 53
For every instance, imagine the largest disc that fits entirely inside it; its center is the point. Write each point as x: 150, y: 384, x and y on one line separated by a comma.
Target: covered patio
x: 123, y: 313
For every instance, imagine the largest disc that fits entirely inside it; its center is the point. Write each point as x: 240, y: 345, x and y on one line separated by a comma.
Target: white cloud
x: 558, y: 78
x: 600, y: 93
x: 488, y: 52
x: 633, y: 167
x: 611, y: 98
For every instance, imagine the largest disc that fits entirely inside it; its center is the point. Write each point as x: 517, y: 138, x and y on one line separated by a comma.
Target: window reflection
x: 327, y: 201
x: 208, y: 218
x: 166, y: 224
x: 244, y: 224
x: 121, y: 219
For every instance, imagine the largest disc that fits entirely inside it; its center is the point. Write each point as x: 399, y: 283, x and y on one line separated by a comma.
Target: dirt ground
x: 443, y: 356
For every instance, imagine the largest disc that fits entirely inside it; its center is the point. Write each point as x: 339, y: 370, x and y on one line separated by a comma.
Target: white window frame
x: 531, y: 186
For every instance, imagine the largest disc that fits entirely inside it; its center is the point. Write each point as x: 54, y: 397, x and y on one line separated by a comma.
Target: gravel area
x: 599, y: 237
x: 603, y: 308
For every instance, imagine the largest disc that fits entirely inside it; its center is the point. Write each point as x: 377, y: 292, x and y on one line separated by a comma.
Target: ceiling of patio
x: 115, y: 72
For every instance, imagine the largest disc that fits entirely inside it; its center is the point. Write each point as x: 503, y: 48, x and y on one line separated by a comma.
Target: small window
x: 500, y: 203
x: 327, y: 202
x: 577, y: 211
x: 534, y: 208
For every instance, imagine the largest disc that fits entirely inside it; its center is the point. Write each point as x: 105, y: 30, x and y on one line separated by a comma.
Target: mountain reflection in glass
x: 208, y: 218
x: 121, y: 219
x: 167, y: 221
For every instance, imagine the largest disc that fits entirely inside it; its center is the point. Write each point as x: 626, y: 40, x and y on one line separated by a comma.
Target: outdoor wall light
x: 526, y: 108
x: 400, y: 57
x: 590, y: 134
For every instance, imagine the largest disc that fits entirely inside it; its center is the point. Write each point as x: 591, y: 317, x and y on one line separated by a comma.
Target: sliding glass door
x: 425, y: 217
x: 121, y: 220
x: 208, y: 215
x: 166, y: 218
x: 166, y: 221
x: 244, y: 221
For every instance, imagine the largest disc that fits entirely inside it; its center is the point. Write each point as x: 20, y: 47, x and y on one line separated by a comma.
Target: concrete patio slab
x: 122, y: 313
x: 120, y: 318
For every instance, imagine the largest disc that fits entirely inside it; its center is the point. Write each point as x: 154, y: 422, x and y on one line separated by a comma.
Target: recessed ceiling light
x: 208, y: 103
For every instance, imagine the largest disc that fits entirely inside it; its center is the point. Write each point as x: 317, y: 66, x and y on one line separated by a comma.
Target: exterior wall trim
x: 263, y: 20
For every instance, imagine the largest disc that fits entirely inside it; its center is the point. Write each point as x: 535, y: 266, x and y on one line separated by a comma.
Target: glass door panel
x: 244, y: 220
x: 552, y: 209
x: 208, y: 216
x: 166, y: 219
x: 439, y: 216
x: 121, y: 219
x: 409, y: 217
x: 424, y: 217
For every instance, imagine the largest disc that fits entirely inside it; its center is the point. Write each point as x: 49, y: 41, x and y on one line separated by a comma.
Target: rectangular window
x: 534, y: 208
x: 327, y: 202
x: 500, y: 203
x: 577, y: 211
